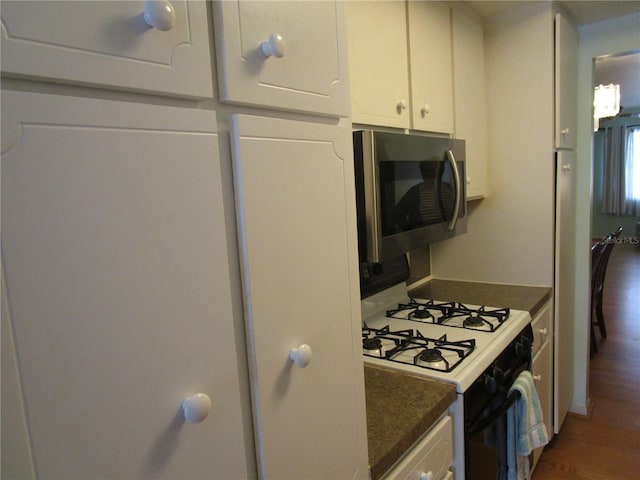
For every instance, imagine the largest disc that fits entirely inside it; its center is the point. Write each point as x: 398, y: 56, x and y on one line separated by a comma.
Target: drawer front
x: 541, y: 326
x: 109, y: 44
x: 430, y: 458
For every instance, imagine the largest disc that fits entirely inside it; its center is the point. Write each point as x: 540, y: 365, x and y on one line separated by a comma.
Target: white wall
x: 596, y: 39
x: 510, y: 233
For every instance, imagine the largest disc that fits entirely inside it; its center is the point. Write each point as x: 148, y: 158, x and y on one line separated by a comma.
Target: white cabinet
x: 430, y: 64
x: 401, y: 64
x: 564, y: 284
x: 282, y: 54
x: 297, y: 233
x: 566, y: 78
x: 542, y: 368
x: 109, y: 44
x: 119, y: 292
x: 430, y: 458
x: 379, y: 63
x: 471, y: 116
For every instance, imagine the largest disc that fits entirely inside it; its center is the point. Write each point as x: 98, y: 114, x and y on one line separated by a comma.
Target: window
x: 621, y: 168
x: 633, y: 164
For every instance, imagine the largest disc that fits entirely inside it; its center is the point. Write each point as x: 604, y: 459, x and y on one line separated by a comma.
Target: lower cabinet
x: 542, y: 370
x: 118, y: 294
x: 295, y: 204
x: 430, y: 458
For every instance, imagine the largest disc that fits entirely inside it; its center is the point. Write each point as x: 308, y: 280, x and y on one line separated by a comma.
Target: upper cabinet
x: 566, y: 72
x: 269, y: 56
x: 470, y: 96
x: 156, y: 47
x: 431, y: 66
x: 379, y: 63
x: 400, y: 56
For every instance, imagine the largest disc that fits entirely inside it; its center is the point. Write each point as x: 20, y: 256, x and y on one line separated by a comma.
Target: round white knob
x: 159, y: 14
x: 274, y: 46
x: 401, y: 105
x: 196, y: 407
x: 543, y: 332
x: 424, y: 110
x: 537, y: 378
x: 426, y: 476
x: 564, y: 131
x: 301, y: 355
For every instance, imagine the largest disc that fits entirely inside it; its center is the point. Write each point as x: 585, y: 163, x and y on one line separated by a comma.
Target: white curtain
x: 621, y: 174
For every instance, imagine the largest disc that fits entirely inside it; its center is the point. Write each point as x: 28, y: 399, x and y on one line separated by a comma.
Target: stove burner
x: 431, y: 355
x: 411, y: 347
x: 422, y: 314
x: 473, y: 320
x: 371, y: 343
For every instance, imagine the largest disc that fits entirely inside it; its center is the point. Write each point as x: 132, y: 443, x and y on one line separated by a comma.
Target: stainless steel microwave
x: 410, y: 191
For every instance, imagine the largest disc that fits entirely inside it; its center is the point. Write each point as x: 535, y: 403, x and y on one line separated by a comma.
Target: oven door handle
x: 486, y: 422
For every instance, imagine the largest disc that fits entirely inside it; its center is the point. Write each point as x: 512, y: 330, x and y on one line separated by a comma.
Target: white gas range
x: 479, y: 348
x: 468, y: 338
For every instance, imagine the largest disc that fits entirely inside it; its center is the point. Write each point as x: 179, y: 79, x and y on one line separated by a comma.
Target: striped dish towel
x: 525, y: 427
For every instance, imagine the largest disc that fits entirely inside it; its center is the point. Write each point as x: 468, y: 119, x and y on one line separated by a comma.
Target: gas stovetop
x: 452, y: 314
x: 438, y: 339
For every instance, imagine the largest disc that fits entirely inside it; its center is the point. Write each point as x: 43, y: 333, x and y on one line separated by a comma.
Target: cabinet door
x: 470, y: 95
x: 543, y: 377
x: 283, y: 54
x: 108, y: 44
x: 119, y: 289
x: 566, y: 71
x: 431, y: 60
x: 564, y: 285
x: 379, y: 63
x: 296, y: 220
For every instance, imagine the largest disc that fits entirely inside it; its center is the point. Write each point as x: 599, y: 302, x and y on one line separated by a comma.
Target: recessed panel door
x: 119, y: 289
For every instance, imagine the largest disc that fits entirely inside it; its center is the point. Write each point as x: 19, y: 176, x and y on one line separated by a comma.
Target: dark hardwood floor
x: 607, y: 446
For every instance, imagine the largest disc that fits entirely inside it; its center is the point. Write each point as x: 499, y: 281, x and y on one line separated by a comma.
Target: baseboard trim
x: 583, y: 411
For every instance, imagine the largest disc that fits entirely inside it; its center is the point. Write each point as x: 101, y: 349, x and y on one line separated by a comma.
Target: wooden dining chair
x: 600, y: 254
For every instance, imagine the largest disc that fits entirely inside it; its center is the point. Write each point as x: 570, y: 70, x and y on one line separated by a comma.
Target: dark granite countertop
x: 400, y: 408
x: 517, y: 297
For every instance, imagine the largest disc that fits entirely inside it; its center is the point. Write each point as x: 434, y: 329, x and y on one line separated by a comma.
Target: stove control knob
x: 301, y: 356
x: 426, y: 476
x: 196, y: 407
x: 490, y: 384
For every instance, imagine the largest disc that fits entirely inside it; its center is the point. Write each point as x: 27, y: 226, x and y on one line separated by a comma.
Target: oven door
x: 486, y: 404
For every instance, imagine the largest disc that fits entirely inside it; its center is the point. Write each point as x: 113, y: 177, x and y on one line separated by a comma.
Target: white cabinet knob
x: 537, y: 378
x: 301, y: 356
x: 543, y: 332
x: 159, y: 14
x: 401, y: 105
x: 424, y: 110
x: 566, y: 167
x: 274, y: 46
x: 426, y: 476
x: 564, y: 131
x: 196, y: 407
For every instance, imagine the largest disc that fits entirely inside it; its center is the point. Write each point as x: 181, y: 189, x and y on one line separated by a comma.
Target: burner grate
x: 411, y: 347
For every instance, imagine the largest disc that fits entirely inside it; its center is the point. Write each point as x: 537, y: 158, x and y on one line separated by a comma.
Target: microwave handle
x: 456, y: 176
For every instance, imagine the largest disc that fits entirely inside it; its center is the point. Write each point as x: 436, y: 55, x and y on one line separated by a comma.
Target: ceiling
x: 583, y: 11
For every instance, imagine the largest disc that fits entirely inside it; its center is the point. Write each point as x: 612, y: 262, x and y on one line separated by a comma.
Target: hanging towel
x: 525, y: 427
